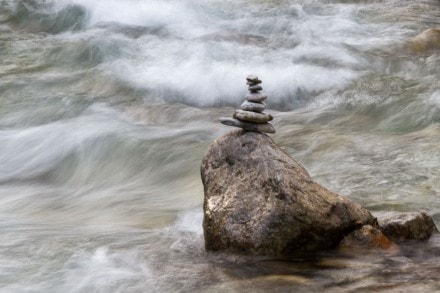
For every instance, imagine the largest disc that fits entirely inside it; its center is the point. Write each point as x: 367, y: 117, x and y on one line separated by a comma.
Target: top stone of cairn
x: 251, y: 116
x: 252, y: 80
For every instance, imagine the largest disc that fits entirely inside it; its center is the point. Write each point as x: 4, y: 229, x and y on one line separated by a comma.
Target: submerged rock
x: 408, y: 226
x: 426, y: 41
x: 367, y: 237
x: 259, y: 200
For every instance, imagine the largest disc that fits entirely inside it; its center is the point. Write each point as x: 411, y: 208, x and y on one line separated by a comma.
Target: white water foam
x: 190, y: 222
x: 203, y: 82
x: 24, y: 154
x: 103, y: 270
x: 141, y: 13
x: 209, y: 73
x: 303, y: 51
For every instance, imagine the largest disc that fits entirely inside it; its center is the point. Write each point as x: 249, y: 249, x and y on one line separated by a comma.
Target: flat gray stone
x: 254, y: 107
x: 254, y: 117
x: 255, y: 88
x: 254, y: 82
x: 252, y: 78
x: 256, y: 97
x: 248, y: 126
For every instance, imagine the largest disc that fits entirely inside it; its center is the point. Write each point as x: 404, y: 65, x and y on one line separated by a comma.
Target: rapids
x: 107, y: 107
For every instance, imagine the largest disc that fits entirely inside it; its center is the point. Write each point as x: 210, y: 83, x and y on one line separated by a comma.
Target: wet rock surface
x: 367, y: 237
x: 259, y: 200
x: 408, y: 226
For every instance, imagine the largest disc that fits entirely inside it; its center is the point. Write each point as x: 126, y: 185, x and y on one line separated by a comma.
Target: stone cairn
x: 251, y: 116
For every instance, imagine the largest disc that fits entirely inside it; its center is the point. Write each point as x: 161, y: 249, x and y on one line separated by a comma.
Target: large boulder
x: 259, y: 200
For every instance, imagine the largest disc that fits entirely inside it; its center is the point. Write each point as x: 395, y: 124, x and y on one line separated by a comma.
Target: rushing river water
x: 107, y: 107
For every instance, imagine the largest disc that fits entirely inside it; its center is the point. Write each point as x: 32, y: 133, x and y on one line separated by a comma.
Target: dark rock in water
x: 256, y: 97
x: 254, y: 107
x: 255, y: 88
x: 367, y: 237
x: 248, y: 126
x: 254, y: 82
x: 259, y: 200
x: 407, y: 226
x: 252, y: 116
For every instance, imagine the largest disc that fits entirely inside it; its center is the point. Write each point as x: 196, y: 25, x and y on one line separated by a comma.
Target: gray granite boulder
x: 367, y: 238
x: 259, y: 200
x: 408, y: 226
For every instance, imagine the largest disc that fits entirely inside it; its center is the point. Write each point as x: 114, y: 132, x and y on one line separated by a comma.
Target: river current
x: 107, y: 107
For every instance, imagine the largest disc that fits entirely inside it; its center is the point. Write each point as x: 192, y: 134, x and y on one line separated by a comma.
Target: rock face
x: 408, y: 226
x: 259, y: 200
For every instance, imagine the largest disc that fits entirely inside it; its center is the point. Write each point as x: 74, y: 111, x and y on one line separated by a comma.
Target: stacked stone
x: 252, y: 117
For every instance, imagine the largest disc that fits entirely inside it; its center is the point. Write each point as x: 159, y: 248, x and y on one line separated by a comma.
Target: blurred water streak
x: 107, y: 107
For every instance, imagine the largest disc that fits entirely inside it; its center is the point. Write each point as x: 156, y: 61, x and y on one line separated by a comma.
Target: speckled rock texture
x: 367, y: 238
x: 259, y: 200
x: 408, y: 226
